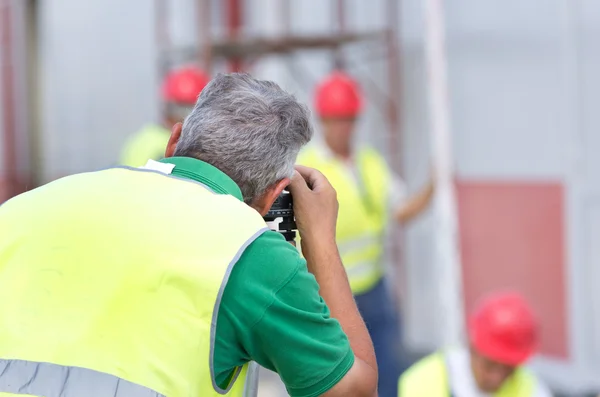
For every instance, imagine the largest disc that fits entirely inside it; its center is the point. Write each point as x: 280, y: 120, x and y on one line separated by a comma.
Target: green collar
x: 200, y: 171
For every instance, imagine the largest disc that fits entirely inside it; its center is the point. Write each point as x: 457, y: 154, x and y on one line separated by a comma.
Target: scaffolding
x: 241, y: 52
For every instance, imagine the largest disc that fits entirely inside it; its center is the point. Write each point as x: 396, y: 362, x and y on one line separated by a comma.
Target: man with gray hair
x: 165, y: 281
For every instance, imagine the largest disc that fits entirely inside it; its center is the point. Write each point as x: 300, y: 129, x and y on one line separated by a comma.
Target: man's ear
x: 263, y: 203
x: 173, y: 139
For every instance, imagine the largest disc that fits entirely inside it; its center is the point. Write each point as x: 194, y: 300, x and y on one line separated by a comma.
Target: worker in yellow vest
x: 369, y: 194
x: 503, y: 334
x: 179, y: 92
x: 164, y: 280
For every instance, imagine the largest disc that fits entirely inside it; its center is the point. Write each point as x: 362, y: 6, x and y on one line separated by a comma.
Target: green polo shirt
x: 271, y: 311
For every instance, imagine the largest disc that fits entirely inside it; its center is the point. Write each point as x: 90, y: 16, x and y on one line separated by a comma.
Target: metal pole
x: 234, y: 24
x: 205, y: 28
x: 585, y: 342
x: 446, y: 264
x: 286, y: 17
x: 392, y: 111
x: 8, y: 98
x: 163, y: 44
x: 341, y: 15
x: 340, y: 20
x: 395, y: 94
x: 162, y: 36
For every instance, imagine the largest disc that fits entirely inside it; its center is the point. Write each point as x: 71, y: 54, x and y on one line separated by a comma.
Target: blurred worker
x: 503, y: 334
x: 165, y: 281
x: 368, y: 194
x: 180, y: 90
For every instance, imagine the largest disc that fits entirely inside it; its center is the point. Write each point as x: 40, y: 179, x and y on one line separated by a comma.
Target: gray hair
x: 250, y: 129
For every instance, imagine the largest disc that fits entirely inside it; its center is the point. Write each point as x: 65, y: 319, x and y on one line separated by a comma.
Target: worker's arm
x: 316, y: 207
x: 272, y: 313
x: 416, y: 204
x: 325, y: 263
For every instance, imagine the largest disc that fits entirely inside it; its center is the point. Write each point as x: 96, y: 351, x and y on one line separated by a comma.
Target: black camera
x: 283, y: 208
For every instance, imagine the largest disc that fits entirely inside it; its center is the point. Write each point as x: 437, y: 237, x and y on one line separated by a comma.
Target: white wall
x: 98, y: 80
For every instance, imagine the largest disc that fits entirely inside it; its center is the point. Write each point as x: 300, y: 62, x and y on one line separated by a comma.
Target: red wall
x: 512, y: 236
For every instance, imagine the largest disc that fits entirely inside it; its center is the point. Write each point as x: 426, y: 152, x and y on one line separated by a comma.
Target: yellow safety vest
x: 363, y: 211
x: 429, y: 378
x: 118, y: 294
x: 148, y: 143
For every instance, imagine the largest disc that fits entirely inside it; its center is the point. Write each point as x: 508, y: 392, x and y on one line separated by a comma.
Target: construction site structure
x: 241, y: 51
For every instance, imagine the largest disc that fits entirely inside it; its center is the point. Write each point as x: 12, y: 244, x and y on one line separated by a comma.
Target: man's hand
x: 316, y: 209
x: 417, y: 203
x: 315, y: 205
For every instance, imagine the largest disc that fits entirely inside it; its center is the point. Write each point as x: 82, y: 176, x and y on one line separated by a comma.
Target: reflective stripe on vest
x: 129, y: 303
x: 361, y: 256
x: 349, y: 246
x: 51, y: 380
x: 362, y: 211
x: 362, y: 269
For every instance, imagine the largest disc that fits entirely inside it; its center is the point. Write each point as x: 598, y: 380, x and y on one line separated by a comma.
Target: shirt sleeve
x: 272, y: 313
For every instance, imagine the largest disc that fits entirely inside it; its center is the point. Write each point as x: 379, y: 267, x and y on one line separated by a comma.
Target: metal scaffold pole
x: 7, y: 94
x: 447, y: 267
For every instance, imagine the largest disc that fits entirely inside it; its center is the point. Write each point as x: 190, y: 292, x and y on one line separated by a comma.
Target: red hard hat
x: 338, y: 96
x: 184, y: 85
x: 503, y: 328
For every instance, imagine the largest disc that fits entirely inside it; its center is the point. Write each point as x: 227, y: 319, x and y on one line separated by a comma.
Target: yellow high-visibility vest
x: 363, y: 211
x: 429, y: 378
x: 148, y: 143
x: 116, y: 293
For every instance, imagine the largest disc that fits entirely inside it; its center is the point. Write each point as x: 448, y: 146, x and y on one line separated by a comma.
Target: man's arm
x: 315, y: 207
x: 416, y: 204
x: 361, y: 380
x: 272, y: 313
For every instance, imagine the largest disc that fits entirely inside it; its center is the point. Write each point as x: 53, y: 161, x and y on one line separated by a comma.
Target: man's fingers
x: 298, y: 184
x: 314, y: 178
x: 305, y: 171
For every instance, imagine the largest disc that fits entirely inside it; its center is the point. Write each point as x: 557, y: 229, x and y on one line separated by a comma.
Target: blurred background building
x: 77, y: 78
